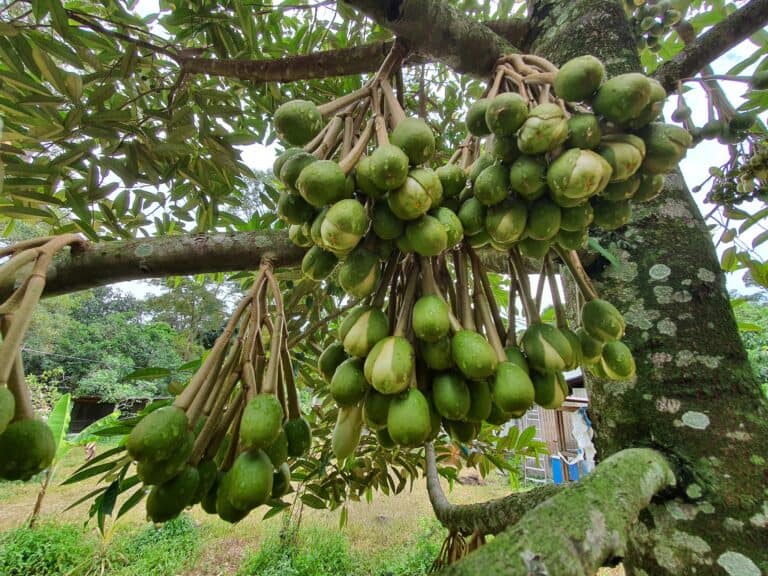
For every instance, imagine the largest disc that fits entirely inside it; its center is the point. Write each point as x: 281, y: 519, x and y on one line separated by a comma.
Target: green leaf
x: 313, y: 501
x: 89, y: 473
x: 728, y: 261
x: 131, y: 502
x: 525, y: 438
x: 58, y: 422
x: 597, y: 247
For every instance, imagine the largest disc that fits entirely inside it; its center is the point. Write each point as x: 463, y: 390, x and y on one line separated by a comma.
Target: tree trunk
x: 695, y: 397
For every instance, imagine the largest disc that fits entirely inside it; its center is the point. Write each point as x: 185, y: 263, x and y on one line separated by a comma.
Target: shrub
x: 314, y: 551
x: 49, y: 549
x: 414, y: 557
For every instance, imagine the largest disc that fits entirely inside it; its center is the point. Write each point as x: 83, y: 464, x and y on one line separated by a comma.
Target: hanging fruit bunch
x: 652, y: 20
x: 27, y: 445
x: 428, y: 347
x: 226, y: 439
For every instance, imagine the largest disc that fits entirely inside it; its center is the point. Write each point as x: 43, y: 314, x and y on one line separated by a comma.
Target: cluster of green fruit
x: 652, y: 21
x: 744, y: 179
x: 547, y: 175
x: 162, y: 444
x: 27, y: 445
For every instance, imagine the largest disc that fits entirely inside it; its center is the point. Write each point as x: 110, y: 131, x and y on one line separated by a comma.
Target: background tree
x: 119, y: 125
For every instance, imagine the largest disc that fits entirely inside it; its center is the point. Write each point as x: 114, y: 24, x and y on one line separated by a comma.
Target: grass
x: 394, y: 535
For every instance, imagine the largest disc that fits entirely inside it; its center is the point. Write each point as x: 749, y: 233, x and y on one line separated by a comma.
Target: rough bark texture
x: 695, y: 396
x: 576, y: 531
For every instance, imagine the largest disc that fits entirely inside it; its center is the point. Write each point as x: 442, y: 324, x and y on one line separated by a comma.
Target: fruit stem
x: 393, y: 292
x: 580, y: 276
x: 330, y: 139
x: 280, y: 387
x: 379, y: 122
x: 348, y: 135
x: 349, y: 161
x: 462, y: 289
x: 223, y: 424
x: 429, y: 286
x: 294, y: 409
x: 523, y: 286
x: 540, y: 287
x: 409, y: 296
x: 385, y: 281
x: 484, y: 310
x: 391, y: 103
x: 24, y: 410
x: 17, y: 261
x: 446, y: 283
x: 212, y: 423
x: 556, y: 300
x: 479, y: 269
x: 392, y: 61
x: 234, y: 440
x: 493, y: 89
x: 342, y: 102
x: 512, y: 309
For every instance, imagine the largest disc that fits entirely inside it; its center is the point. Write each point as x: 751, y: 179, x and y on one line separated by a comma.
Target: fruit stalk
x: 294, y: 409
x: 462, y: 289
x: 556, y: 300
x: 379, y: 122
x: 571, y: 260
x: 409, y: 296
x: 386, y: 279
x: 17, y: 261
x: 232, y: 360
x: 232, y: 451
x: 391, y: 104
x: 281, y: 395
x: 331, y: 138
x: 17, y: 384
x: 429, y: 286
x: 484, y: 311
x: 349, y: 161
x: 524, y: 287
x: 347, y: 139
x: 213, y: 422
x: 342, y: 102
x: 479, y: 270
x: 214, y: 372
x: 540, y: 286
x: 512, y: 308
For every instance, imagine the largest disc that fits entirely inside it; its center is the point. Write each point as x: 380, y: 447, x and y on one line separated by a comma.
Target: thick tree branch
x: 440, y: 32
x: 578, y: 530
x: 715, y: 42
x: 97, y: 264
x: 489, y: 517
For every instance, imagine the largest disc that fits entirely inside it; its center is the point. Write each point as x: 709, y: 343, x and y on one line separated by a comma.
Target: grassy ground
x: 375, y: 531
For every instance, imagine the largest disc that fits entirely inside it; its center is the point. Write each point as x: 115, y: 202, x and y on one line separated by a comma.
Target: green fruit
x: 318, y: 264
x: 315, y: 229
x: 512, y: 389
x: 364, y: 180
x: 504, y: 149
x: 298, y: 121
x: 611, y: 215
x: 498, y: 417
x: 430, y: 318
x: 602, y: 321
x: 666, y: 145
x: 551, y: 389
x: 452, y: 178
x: 473, y: 355
x: 7, y: 407
x: 462, y: 432
x: 346, y: 432
x: 261, y: 422
x: 546, y: 348
x: 482, y: 162
x: 408, y: 421
x: 492, y: 185
x: 427, y: 236
x: 712, y: 129
x: 389, y: 365
x: 207, y: 474
x: 527, y: 177
x: 624, y: 152
x: 505, y: 113
x: 388, y: 167
x: 543, y: 220
x: 224, y: 508
x: 208, y: 501
x: 759, y: 80
x: 344, y: 225
x: 575, y: 342
x: 451, y: 396
x: 375, y: 409
x: 322, y: 182
x: 277, y: 166
x: 617, y: 361
x: 293, y: 208
x: 384, y: 439
x: 249, y: 482
x: 362, y: 329
x: 359, y: 274
x: 430, y: 181
x: 476, y: 118
x: 480, y: 401
x: 579, y: 78
x: 576, y: 175
x: 168, y: 500
x: 653, y: 108
x: 516, y: 356
x: 576, y: 218
x: 330, y: 359
x: 293, y: 167
x: 404, y: 245
x: 585, y: 132
x: 545, y: 129
x: 158, y: 435
x: 472, y: 216
x: 623, y: 97
x: 27, y: 447
x: 277, y: 452
x: 386, y: 225
x: 410, y: 200
x: 479, y: 240
x: 506, y: 221
x: 414, y: 137
x: 300, y: 235
x: 453, y: 228
x: 649, y: 188
x: 299, y: 436
x: 437, y: 355
x: 591, y: 348
x: 572, y: 240
x: 281, y: 481
x: 435, y: 422
x: 153, y: 472
x: 535, y: 249
x: 681, y: 113
x: 348, y: 385
x: 618, y: 191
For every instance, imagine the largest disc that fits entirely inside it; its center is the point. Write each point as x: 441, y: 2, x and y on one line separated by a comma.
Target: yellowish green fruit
x: 277, y: 452
x: 153, y: 472
x: 584, y: 131
x: 322, y: 182
x: 409, y: 421
x: 546, y: 348
x: 577, y: 175
x: 624, y: 152
x: 293, y: 166
x: 427, y: 236
x: 527, y: 177
x: 512, y: 388
x: 346, y: 432
x: 261, y: 422
x: 579, y: 78
x: 506, y: 221
x: 591, y: 348
x: 473, y: 355
x: 617, y: 361
x: 452, y: 178
x: 551, y: 389
x: 543, y: 220
x: 450, y: 395
x: 576, y: 218
x: 389, y: 365
x: 536, y: 249
x: 437, y: 355
x: 348, y: 385
x: 505, y: 113
x: 27, y: 447
x: 344, y: 225
x: 386, y: 225
x: 492, y: 185
x: 480, y: 401
x: 545, y: 129
x: 410, y: 200
x: 293, y: 209
x: 602, y: 321
x: 359, y: 274
x: 281, y: 481
x: 318, y: 264
x: 375, y: 409
x: 649, y: 188
x: 249, y: 480
x: 453, y: 228
x: 158, y: 435
x: 364, y: 180
x: 388, y: 167
x: 299, y: 436
x: 362, y: 329
x: 430, y: 318
x: 414, y: 137
x: 298, y: 121
x: 472, y: 216
x: 168, y: 500
x: 330, y: 359
x: 611, y: 215
x: 476, y: 118
x: 623, y: 98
